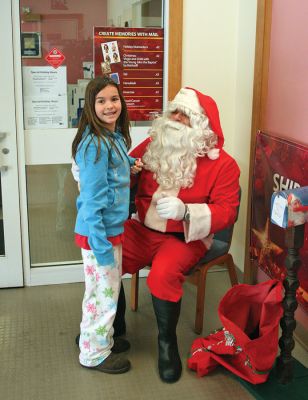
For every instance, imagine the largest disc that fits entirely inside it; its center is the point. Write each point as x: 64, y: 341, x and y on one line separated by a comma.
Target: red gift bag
x: 247, y: 344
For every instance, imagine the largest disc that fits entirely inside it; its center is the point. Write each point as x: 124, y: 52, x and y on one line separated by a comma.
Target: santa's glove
x: 170, y: 208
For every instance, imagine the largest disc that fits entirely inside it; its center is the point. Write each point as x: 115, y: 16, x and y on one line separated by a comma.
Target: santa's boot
x: 167, y: 316
x: 119, y: 324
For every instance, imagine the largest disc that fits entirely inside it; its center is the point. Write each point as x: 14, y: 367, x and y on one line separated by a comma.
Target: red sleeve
x: 139, y: 150
x: 224, y: 198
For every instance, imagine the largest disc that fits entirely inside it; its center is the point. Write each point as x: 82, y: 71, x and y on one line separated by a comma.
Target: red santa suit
x: 172, y: 247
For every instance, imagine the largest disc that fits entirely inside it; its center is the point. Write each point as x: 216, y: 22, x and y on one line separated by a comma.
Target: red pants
x: 169, y: 257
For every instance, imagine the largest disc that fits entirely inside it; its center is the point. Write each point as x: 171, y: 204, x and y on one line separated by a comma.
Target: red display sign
x: 279, y: 165
x: 55, y: 58
x: 133, y: 57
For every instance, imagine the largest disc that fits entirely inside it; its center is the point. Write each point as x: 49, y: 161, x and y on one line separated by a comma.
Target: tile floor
x: 39, y: 358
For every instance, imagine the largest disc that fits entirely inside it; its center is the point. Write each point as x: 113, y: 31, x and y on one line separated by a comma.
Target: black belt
x: 178, y: 235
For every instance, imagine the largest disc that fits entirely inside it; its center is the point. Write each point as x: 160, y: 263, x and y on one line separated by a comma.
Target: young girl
x: 100, y: 152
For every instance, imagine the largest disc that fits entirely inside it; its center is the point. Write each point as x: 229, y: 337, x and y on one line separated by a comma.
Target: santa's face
x: 174, y: 149
x: 180, y: 117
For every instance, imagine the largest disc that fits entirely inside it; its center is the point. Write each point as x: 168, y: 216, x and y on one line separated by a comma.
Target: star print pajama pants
x: 102, y: 286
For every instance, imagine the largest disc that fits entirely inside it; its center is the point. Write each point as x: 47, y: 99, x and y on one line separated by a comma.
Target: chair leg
x: 231, y: 269
x: 134, y: 289
x: 200, y: 301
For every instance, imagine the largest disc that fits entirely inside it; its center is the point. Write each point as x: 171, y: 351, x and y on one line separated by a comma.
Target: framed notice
x: 31, y: 45
x: 45, y: 97
x: 133, y: 57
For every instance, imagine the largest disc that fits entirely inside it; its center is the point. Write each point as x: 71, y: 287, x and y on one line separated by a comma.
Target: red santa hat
x: 197, y: 106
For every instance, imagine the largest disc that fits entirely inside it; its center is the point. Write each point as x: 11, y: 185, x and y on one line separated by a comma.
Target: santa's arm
x: 138, y: 152
x: 221, y: 209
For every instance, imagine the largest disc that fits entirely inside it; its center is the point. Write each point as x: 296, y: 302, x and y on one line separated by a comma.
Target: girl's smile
x: 108, y: 107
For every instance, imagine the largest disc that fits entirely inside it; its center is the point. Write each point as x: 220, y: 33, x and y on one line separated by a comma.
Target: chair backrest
x: 226, y: 234
x: 222, y: 240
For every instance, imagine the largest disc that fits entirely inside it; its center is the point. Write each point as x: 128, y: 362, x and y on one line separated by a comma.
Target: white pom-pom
x: 213, y: 154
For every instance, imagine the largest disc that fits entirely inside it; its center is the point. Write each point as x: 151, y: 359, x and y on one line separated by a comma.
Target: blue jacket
x: 103, y: 202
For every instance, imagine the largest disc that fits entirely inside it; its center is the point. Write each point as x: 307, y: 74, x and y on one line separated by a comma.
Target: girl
x: 100, y: 152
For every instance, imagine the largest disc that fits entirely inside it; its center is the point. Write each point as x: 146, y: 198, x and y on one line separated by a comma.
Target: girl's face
x: 108, y: 107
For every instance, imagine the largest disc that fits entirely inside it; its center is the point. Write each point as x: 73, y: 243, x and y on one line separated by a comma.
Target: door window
x: 57, y: 63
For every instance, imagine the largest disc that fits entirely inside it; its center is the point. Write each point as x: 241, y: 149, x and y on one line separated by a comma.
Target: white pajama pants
x: 102, y: 286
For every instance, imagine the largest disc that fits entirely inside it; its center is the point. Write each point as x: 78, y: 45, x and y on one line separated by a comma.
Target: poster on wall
x: 279, y: 165
x: 45, y: 97
x: 133, y: 57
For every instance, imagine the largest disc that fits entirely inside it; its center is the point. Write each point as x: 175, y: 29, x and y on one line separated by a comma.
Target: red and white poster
x: 134, y: 58
x: 279, y: 165
x: 55, y: 58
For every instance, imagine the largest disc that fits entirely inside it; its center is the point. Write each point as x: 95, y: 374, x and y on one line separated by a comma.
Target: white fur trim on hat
x: 187, y: 102
x: 213, y: 154
x: 187, y: 98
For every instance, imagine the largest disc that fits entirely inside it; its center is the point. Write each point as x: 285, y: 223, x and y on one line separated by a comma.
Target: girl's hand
x: 137, y: 167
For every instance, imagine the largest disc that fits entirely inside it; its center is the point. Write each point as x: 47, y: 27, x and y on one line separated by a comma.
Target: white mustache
x: 175, y: 125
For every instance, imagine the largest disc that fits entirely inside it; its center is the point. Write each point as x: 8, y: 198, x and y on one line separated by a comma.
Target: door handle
x: 5, y: 150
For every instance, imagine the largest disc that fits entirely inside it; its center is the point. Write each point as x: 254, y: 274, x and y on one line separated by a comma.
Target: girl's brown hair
x: 90, y: 119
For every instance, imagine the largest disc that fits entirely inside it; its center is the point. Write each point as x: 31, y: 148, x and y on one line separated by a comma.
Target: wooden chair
x: 217, y: 255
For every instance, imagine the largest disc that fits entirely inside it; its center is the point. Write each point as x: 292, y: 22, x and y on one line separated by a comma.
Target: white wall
x: 218, y: 60
x: 246, y: 36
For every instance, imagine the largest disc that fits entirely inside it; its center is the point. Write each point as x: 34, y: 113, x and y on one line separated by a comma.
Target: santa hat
x: 203, y: 113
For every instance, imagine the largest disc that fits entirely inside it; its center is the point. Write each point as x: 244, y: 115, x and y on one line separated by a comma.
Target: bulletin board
x: 133, y: 58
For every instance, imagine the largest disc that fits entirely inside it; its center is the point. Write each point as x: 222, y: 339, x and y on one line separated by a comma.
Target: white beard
x: 172, y: 154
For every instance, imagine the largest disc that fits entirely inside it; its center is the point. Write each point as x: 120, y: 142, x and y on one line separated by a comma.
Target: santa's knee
x: 165, y: 284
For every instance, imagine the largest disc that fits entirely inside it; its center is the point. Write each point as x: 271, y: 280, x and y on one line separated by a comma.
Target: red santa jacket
x: 212, y: 201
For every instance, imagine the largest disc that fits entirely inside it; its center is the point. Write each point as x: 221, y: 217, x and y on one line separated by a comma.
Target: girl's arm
x: 94, y: 194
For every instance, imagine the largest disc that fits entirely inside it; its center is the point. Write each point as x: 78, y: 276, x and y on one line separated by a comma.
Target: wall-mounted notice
x: 133, y: 57
x: 45, y: 97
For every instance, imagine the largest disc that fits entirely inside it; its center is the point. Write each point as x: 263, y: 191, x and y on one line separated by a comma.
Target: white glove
x: 170, y: 208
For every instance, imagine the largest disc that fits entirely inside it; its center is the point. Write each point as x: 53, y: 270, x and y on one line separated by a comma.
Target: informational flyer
x: 133, y: 57
x: 45, y: 97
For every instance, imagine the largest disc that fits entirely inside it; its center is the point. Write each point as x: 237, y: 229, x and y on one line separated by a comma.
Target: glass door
x: 56, y: 63
x: 11, y: 273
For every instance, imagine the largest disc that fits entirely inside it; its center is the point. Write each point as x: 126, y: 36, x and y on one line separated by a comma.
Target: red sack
x: 247, y: 344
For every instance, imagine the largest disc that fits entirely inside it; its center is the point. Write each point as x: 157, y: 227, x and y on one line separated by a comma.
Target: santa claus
x: 188, y: 189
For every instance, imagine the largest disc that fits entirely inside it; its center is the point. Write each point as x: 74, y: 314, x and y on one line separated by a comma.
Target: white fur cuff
x: 199, y: 225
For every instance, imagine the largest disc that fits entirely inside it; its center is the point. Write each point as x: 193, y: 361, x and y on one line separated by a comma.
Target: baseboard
x: 64, y: 274
x: 240, y: 274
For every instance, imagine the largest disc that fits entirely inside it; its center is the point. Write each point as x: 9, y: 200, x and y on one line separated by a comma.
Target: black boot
x: 167, y: 316
x: 119, y: 324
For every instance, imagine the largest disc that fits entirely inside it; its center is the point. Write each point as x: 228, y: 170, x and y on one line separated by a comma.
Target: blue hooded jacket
x: 103, y: 202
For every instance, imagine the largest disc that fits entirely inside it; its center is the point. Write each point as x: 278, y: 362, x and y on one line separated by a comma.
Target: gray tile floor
x: 39, y: 359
